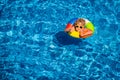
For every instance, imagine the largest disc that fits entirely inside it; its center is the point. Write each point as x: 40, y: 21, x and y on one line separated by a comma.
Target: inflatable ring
x: 75, y: 34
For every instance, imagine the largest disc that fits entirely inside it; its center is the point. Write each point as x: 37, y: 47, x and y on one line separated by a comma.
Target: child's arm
x: 68, y: 27
x: 84, y: 33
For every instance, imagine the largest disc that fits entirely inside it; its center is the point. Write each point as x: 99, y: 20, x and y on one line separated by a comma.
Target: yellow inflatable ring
x: 75, y: 34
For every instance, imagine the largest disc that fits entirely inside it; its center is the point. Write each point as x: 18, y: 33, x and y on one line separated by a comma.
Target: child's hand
x: 81, y: 30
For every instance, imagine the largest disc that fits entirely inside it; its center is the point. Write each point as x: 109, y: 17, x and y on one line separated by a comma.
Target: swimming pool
x: 33, y: 45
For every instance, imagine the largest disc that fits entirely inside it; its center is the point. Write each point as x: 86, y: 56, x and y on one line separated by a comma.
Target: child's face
x: 79, y: 26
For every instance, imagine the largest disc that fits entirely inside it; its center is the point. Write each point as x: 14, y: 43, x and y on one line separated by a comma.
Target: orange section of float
x: 68, y: 26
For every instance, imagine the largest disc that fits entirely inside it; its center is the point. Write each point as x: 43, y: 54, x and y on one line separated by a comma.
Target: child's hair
x: 78, y: 21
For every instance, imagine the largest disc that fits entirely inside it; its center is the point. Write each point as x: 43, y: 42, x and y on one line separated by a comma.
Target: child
x: 79, y: 30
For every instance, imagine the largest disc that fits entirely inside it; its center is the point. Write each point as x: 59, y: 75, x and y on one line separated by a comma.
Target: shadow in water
x: 64, y: 39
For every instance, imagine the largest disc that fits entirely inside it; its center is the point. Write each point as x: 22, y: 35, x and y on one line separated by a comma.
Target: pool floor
x: 34, y: 46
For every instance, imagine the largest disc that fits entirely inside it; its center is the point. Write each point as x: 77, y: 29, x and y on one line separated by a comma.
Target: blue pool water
x: 33, y: 45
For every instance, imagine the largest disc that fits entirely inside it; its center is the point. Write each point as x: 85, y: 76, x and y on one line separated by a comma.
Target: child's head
x: 80, y: 23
